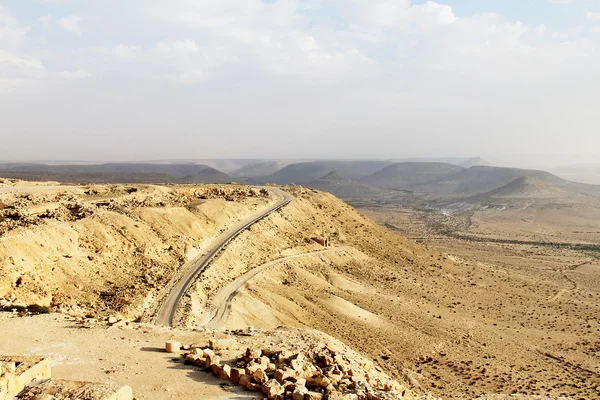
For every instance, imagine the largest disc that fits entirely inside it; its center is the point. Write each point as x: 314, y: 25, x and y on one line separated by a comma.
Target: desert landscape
x: 299, y: 200
x: 451, y: 287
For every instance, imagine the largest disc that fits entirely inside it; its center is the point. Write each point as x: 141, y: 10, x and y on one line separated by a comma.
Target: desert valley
x: 415, y: 279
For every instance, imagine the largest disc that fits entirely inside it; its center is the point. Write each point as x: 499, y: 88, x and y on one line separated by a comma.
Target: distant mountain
x: 476, y: 161
x: 260, y: 169
x: 306, y: 172
x: 207, y: 175
x: 522, y: 192
x: 526, y: 188
x: 405, y: 174
x: 482, y: 179
x: 117, y: 173
x: 465, y: 162
x: 333, y: 178
x: 353, y: 191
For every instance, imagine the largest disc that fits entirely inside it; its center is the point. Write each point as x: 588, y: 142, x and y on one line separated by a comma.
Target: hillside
x: 352, y: 191
x: 309, y: 171
x: 405, y: 174
x: 481, y: 179
x: 531, y: 209
x: 108, y: 247
x: 429, y: 319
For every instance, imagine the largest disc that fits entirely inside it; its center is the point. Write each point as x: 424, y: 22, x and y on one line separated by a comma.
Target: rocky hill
x: 309, y: 171
x: 406, y: 174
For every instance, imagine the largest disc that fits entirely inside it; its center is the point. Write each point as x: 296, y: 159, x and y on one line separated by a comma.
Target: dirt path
x: 180, y: 286
x: 575, y: 284
x: 222, y: 300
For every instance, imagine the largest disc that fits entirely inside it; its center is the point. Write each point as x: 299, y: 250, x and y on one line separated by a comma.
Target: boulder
x: 254, y: 387
x: 272, y: 388
x: 318, y: 381
x: 253, y: 353
x: 313, y: 396
x: 260, y: 376
x: 299, y: 392
x: 225, y: 372
x: 196, y: 360
x: 216, y: 369
x: 212, y: 360
x: 235, y: 374
x: 208, y: 353
x: 223, y: 344
x: 244, y: 380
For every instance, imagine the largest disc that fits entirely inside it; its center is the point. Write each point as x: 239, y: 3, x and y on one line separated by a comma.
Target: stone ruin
x: 29, y: 378
x: 323, y: 374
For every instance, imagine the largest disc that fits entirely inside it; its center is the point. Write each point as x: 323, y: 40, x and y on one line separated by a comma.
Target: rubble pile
x: 319, y: 374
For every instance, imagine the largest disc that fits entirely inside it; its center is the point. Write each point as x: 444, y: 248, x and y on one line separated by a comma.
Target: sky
x: 513, y: 81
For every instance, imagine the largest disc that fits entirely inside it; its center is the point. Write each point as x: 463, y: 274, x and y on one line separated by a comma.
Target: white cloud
x: 381, y: 64
x: 70, y: 24
x: 17, y: 68
x: 45, y: 21
x: 74, y: 75
x: 12, y: 33
x: 186, y: 47
x: 593, y: 16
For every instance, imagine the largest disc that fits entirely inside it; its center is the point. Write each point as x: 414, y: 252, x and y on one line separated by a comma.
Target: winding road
x: 166, y: 312
x: 222, y: 300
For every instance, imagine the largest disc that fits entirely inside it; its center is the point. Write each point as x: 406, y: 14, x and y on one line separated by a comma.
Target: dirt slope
x: 108, y: 247
x: 447, y: 326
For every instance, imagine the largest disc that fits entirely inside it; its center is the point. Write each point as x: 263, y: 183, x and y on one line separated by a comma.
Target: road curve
x: 222, y: 300
x: 166, y: 312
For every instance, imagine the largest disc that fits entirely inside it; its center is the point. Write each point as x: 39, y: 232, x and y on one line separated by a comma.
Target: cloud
x: 74, y: 75
x: 70, y: 24
x: 593, y: 16
x: 45, y: 21
x: 17, y: 68
x: 335, y: 66
x: 12, y: 33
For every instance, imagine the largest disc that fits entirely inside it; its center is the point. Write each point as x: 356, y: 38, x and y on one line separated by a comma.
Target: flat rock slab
x: 26, y: 370
x: 63, y: 390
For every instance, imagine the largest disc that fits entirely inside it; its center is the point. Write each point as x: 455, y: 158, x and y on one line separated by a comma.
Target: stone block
x: 235, y: 374
x: 172, y: 346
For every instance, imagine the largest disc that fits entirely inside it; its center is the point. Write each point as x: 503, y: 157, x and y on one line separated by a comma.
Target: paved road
x: 167, y: 310
x: 222, y: 300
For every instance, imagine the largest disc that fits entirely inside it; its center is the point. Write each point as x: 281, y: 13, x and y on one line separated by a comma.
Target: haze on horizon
x: 155, y: 79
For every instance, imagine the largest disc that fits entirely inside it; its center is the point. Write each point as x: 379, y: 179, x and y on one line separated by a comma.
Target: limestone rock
x: 172, y: 346
x: 272, y: 388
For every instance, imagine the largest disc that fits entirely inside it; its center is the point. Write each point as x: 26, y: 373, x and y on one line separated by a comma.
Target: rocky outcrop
x: 307, y: 375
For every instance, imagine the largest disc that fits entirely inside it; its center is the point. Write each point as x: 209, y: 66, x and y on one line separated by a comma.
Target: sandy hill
x: 117, y: 173
x: 309, y: 171
x: 405, y: 174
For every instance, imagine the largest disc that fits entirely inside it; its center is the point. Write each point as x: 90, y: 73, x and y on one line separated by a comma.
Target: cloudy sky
x: 163, y: 79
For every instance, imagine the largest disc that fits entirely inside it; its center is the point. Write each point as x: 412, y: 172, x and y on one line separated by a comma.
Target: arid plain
x: 457, y: 297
